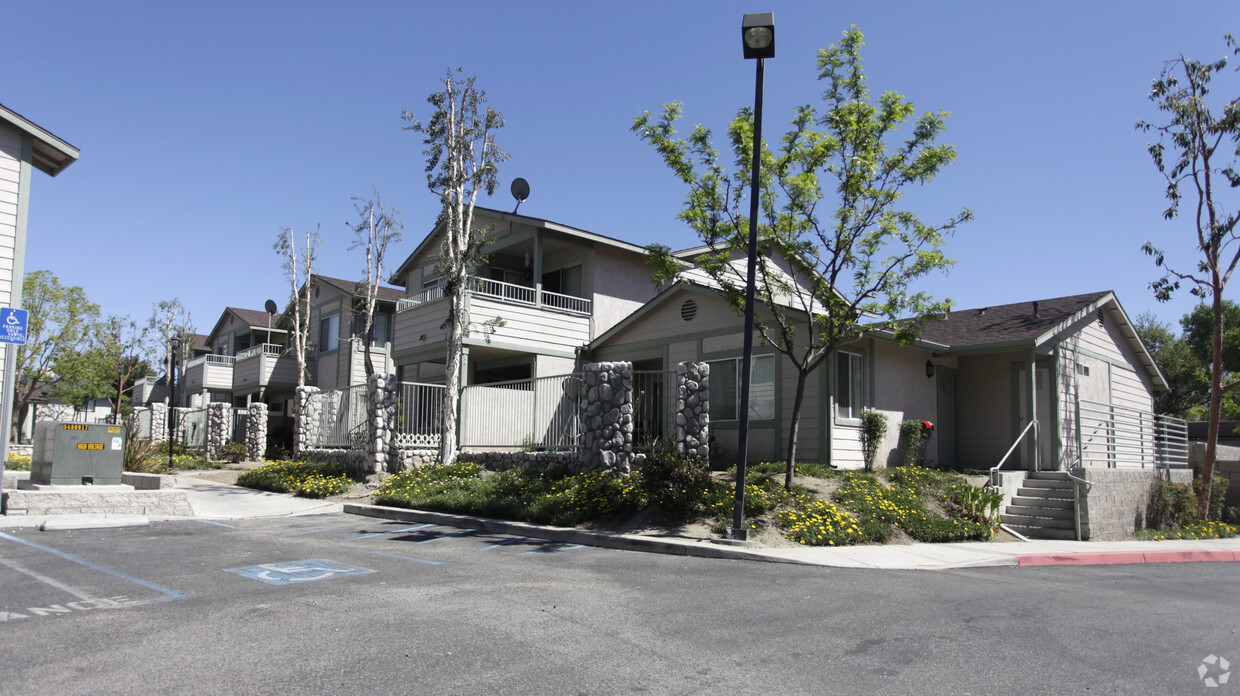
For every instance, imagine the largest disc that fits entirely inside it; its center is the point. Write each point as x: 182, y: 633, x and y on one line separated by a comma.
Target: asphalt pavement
x: 218, y: 501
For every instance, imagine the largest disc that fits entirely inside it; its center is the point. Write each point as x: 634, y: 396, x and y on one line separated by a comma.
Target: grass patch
x: 306, y: 479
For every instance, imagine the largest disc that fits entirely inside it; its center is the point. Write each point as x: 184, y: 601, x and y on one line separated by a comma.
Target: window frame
x: 328, y: 343
x: 715, y: 394
x: 856, y: 382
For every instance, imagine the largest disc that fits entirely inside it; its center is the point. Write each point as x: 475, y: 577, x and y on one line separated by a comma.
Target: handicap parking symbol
x: 13, y: 325
x: 290, y: 572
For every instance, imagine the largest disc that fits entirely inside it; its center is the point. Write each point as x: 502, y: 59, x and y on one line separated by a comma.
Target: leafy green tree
x: 461, y: 160
x: 61, y: 336
x: 1183, y: 370
x: 836, y: 248
x: 1204, y: 149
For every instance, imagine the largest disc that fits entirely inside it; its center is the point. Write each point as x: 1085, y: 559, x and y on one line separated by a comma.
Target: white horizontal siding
x: 530, y: 327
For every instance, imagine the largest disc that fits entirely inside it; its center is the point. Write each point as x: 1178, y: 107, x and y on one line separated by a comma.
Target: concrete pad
x: 70, y: 523
x: 211, y: 500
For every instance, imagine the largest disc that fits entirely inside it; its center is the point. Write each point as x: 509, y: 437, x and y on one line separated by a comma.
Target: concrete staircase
x: 1042, y: 507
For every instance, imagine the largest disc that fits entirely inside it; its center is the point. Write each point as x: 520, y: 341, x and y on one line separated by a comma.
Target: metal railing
x: 994, y: 470
x: 191, y: 427
x: 1122, y: 437
x: 654, y: 392
x: 419, y: 415
x: 270, y: 349
x: 341, y: 412
x: 542, y: 413
x: 240, y: 424
x: 500, y: 290
x: 212, y: 359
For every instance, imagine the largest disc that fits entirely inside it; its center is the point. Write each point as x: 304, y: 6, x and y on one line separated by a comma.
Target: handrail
x: 994, y: 470
x: 501, y: 290
x: 1076, y: 499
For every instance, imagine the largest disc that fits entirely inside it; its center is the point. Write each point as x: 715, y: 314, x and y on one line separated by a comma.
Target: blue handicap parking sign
x: 13, y: 325
x: 288, y: 572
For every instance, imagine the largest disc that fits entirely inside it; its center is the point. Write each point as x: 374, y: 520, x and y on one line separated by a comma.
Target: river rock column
x: 381, y: 416
x: 607, y: 417
x: 219, y: 427
x: 256, y: 432
x: 306, y: 429
x: 159, y: 422
x: 693, y: 409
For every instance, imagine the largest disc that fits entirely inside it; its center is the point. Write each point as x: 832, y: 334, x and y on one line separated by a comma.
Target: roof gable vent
x: 688, y: 310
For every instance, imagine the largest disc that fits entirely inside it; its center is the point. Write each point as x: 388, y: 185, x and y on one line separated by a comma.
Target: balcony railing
x: 212, y: 360
x: 272, y: 349
x: 507, y: 292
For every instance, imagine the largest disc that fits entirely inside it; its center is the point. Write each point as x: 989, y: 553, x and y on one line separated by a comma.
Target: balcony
x: 209, y: 372
x: 533, y: 319
x: 503, y: 292
x: 262, y: 366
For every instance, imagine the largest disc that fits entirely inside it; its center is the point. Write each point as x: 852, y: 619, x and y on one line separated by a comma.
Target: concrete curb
x: 1122, y: 557
x: 570, y: 535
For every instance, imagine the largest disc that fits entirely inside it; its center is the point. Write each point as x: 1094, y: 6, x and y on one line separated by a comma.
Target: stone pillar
x: 219, y: 428
x: 693, y: 409
x: 159, y: 422
x: 306, y: 428
x: 256, y: 431
x: 607, y: 417
x: 381, y: 422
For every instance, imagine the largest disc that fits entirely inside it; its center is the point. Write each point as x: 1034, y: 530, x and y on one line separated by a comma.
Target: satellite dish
x: 271, y: 307
x: 520, y: 191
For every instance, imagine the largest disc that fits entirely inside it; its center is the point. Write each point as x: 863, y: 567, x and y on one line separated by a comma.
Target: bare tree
x: 298, y: 270
x: 123, y: 344
x: 169, y: 319
x: 461, y: 159
x: 376, y: 228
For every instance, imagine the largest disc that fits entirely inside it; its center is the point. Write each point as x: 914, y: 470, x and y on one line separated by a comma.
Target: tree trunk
x: 794, y: 429
x: 1216, y: 401
x: 452, y: 374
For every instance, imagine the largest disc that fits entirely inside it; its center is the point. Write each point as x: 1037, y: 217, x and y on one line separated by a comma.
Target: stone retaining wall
x: 358, y: 464
x: 219, y: 428
x: 607, y: 417
x: 1114, y: 507
x: 693, y: 409
x: 306, y: 428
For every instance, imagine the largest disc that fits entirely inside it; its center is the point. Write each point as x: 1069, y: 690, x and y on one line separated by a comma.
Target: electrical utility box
x: 77, y: 454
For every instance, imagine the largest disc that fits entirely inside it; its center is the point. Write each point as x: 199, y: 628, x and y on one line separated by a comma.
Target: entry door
x: 946, y: 415
x: 1046, y: 419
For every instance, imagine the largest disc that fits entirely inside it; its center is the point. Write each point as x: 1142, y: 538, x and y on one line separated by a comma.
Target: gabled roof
x: 1011, y: 323
x: 253, y: 318
x: 51, y: 154
x: 521, y: 219
x: 357, y: 287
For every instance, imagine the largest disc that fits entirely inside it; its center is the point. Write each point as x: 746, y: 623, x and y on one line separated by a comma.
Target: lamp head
x: 758, y: 35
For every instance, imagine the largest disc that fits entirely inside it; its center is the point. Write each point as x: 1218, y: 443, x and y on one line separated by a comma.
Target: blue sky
x: 205, y: 127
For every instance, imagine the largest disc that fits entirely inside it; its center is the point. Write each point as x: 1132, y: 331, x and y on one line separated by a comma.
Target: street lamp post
x: 758, y: 35
x: 173, y: 346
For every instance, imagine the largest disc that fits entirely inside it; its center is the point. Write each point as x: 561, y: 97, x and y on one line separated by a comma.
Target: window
x: 725, y: 385
x: 329, y: 333
x: 378, y: 329
x: 564, y: 281
x: 849, y: 385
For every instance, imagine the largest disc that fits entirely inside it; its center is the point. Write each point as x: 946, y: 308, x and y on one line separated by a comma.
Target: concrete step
x: 1048, y: 484
x: 1040, y: 512
x: 1047, y: 493
x: 1040, y: 533
x: 1041, y: 502
x: 1040, y: 521
x: 1048, y: 476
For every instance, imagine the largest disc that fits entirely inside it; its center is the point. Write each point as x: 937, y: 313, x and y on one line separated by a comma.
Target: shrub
x: 308, y: 479
x: 276, y: 453
x: 676, y: 482
x: 233, y: 452
x: 1171, y: 505
x: 1218, y: 492
x: 17, y: 462
x: 873, y: 428
x: 140, y: 454
x: 904, y: 508
x: 914, y: 435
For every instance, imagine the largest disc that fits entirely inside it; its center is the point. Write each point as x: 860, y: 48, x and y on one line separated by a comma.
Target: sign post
x: 13, y: 323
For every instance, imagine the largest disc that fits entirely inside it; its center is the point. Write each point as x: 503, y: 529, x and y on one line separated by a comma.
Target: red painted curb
x: 1120, y: 557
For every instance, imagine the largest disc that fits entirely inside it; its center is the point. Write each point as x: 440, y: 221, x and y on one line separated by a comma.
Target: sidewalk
x: 887, y: 557
x: 220, y: 501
